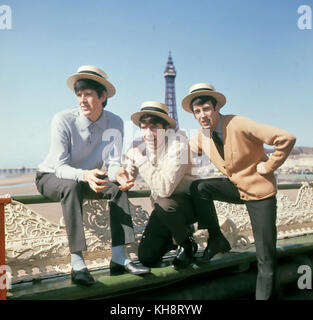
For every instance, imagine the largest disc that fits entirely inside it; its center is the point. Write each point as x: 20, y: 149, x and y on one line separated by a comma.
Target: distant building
x: 17, y: 171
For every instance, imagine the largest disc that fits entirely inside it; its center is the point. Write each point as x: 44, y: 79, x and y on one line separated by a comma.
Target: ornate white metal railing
x: 37, y: 248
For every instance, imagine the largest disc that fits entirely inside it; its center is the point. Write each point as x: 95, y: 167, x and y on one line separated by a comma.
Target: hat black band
x: 92, y: 72
x: 154, y: 109
x: 201, y: 89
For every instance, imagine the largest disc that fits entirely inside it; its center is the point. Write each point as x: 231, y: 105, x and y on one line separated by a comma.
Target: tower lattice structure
x: 170, y: 96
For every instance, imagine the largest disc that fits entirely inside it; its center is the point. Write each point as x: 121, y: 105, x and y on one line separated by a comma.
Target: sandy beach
x: 16, y: 186
x: 19, y: 179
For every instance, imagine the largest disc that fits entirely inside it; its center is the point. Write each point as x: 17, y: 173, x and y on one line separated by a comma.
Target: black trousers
x: 263, y: 220
x: 171, y: 218
x: 71, y: 194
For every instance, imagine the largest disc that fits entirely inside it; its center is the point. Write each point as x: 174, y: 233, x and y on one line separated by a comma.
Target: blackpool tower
x: 170, y: 97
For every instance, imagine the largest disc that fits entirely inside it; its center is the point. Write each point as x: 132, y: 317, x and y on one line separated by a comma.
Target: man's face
x: 90, y: 104
x: 153, y: 134
x: 206, y: 115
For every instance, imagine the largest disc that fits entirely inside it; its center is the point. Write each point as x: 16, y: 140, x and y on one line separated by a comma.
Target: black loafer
x: 185, y: 254
x: 216, y: 245
x: 82, y: 277
x: 131, y: 267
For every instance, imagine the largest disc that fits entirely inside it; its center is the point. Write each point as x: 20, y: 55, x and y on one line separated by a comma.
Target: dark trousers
x: 171, y: 218
x: 71, y: 194
x: 263, y: 220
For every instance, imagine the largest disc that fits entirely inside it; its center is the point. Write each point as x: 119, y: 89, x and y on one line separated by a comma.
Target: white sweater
x: 169, y: 170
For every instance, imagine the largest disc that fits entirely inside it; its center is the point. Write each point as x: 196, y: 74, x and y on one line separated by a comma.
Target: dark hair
x: 198, y: 101
x: 152, y: 119
x: 83, y: 84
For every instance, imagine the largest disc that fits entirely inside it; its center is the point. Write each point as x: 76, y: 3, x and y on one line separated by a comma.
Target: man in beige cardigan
x: 234, y: 145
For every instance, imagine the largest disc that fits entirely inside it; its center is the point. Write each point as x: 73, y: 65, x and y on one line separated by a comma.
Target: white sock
x: 119, y: 256
x: 77, y: 261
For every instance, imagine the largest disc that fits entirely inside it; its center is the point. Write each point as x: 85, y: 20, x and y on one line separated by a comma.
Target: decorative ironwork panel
x: 37, y: 247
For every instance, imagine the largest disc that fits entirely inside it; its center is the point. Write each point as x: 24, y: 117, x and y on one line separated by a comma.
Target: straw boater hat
x: 154, y: 108
x: 202, y: 89
x: 92, y: 73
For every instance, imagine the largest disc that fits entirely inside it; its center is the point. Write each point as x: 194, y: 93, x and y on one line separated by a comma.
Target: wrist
x: 267, y: 167
x: 140, y: 160
x: 84, y: 175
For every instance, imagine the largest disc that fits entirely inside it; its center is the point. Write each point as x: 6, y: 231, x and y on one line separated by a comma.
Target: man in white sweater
x: 162, y: 160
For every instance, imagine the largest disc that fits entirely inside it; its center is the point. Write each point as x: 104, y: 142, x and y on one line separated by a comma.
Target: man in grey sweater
x: 84, y: 162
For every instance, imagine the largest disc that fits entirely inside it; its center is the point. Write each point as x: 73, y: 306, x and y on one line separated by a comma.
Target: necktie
x: 91, y: 130
x: 218, y: 143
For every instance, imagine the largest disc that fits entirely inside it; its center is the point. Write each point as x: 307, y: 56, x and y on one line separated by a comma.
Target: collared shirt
x: 79, y: 144
x: 168, y: 171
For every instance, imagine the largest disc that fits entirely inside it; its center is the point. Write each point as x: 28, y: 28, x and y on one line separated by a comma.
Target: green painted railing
x: 34, y: 199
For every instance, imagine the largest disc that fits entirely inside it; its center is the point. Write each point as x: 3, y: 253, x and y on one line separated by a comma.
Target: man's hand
x: 134, y: 154
x: 96, y: 184
x: 260, y: 168
x: 125, y: 180
x: 132, y: 170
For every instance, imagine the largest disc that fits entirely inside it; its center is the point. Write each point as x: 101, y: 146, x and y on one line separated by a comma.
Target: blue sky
x: 251, y: 50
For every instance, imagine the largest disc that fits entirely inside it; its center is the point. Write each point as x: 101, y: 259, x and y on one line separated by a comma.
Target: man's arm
x: 60, y: 146
x: 282, y: 140
x: 164, y: 178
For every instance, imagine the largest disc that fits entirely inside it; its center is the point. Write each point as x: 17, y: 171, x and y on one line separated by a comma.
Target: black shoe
x: 82, y: 277
x: 215, y: 246
x: 131, y: 267
x: 185, y: 254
